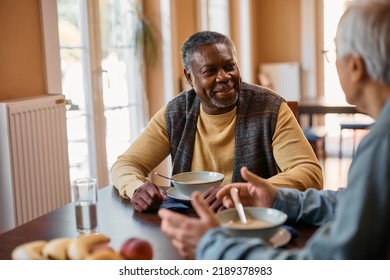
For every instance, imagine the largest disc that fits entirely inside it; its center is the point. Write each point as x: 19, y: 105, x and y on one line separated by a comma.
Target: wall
x: 234, y: 27
x: 185, y: 22
x: 154, y: 73
x: 21, y: 56
x: 276, y: 31
x: 276, y: 24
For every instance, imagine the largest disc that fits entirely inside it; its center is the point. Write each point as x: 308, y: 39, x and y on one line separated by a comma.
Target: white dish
x: 201, y: 181
x: 174, y: 193
x: 273, y: 217
x: 280, y: 238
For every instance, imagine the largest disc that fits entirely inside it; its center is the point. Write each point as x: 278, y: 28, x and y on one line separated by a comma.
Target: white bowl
x: 188, y: 182
x: 262, y: 222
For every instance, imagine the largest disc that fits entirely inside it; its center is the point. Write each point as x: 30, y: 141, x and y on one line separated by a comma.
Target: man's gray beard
x: 224, y: 105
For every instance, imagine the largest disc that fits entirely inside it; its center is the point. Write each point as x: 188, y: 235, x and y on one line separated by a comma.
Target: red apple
x: 136, y: 249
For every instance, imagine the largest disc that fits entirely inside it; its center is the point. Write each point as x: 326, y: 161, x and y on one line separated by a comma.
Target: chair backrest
x: 294, y: 107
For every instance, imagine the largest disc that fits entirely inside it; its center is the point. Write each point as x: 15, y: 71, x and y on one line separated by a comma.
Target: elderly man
x: 355, y: 221
x: 220, y: 124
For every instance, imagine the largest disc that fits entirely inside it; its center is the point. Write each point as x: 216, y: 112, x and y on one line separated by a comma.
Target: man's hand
x: 185, y: 232
x: 210, y: 197
x: 257, y: 192
x: 148, y: 198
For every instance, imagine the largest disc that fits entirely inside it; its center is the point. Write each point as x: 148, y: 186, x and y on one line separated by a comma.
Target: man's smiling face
x: 215, y: 77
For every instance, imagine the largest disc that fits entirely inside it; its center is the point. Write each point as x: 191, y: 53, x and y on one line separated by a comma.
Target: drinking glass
x: 84, y: 196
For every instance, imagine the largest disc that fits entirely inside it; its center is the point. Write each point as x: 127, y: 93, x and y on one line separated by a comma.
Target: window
x: 218, y: 16
x: 76, y: 84
x: 123, y: 96
x: 332, y: 13
x: 215, y: 15
x: 102, y: 78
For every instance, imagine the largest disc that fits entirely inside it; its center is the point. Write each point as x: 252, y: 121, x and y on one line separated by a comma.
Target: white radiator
x: 34, y: 164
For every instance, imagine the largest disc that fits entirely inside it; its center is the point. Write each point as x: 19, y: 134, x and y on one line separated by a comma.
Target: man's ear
x: 357, y: 68
x: 188, y: 77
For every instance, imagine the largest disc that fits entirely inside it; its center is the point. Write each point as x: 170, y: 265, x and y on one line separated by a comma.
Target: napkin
x: 175, y: 205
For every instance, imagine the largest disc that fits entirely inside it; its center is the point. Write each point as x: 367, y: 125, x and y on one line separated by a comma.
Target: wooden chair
x: 293, y: 107
x: 314, y: 134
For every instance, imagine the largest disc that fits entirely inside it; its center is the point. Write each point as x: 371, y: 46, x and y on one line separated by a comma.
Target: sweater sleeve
x: 132, y: 168
x: 312, y: 206
x: 298, y: 165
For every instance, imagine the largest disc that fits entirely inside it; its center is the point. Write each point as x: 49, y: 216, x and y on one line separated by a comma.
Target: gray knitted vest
x: 257, y: 113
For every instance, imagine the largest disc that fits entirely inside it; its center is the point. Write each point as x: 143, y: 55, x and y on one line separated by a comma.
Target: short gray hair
x: 364, y: 30
x: 202, y: 38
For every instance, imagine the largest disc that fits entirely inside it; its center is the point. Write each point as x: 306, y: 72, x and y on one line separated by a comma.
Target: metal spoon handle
x: 164, y: 176
x: 238, y: 205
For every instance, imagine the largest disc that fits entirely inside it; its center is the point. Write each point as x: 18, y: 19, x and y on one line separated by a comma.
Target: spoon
x: 165, y: 177
x: 238, y: 205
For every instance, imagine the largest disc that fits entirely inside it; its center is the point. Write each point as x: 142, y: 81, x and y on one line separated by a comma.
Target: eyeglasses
x: 329, y: 55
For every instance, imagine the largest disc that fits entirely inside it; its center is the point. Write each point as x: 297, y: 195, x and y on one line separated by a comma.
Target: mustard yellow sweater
x: 215, y: 136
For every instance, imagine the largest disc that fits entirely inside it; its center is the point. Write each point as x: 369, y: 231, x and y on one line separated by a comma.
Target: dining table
x: 118, y: 221
x: 313, y: 107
